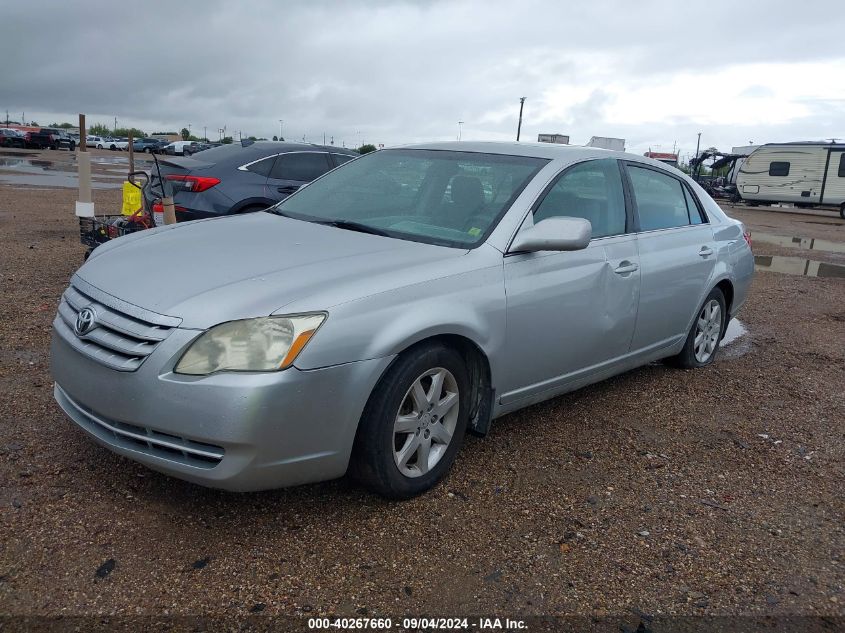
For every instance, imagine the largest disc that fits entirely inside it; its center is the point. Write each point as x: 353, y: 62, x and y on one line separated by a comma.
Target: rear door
x: 677, y: 254
x: 291, y: 170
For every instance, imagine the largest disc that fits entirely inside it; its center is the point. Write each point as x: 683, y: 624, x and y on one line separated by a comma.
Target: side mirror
x: 554, y: 234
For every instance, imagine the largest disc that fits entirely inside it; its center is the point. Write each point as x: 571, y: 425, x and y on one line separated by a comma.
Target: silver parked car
x: 368, y: 321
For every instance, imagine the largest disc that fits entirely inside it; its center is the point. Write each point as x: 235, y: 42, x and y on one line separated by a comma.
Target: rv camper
x: 805, y: 174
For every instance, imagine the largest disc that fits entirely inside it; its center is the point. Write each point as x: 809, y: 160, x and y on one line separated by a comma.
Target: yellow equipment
x: 132, y: 201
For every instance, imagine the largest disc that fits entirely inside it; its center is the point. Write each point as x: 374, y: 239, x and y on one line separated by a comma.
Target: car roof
x: 538, y: 150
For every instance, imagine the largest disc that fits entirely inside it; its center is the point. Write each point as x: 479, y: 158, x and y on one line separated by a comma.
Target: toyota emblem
x: 86, y: 321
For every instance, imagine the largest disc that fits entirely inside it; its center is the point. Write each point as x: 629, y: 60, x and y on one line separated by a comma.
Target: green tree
x: 275, y: 138
x: 98, y: 129
x: 64, y: 126
x: 366, y: 148
x: 227, y: 140
x: 186, y: 134
x: 251, y: 138
x: 126, y: 131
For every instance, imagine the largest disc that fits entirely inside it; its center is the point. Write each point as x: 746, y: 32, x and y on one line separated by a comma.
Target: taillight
x: 747, y: 236
x: 194, y: 184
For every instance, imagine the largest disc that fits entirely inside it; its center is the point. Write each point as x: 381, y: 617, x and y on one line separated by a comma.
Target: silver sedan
x: 370, y: 320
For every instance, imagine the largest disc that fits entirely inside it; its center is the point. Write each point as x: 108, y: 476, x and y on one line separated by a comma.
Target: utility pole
x: 205, y: 133
x: 460, y: 123
x: 698, y: 164
x: 324, y: 138
x: 280, y: 129
x: 519, y: 126
x: 115, y: 124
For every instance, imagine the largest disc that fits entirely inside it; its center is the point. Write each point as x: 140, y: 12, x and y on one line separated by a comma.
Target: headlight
x: 263, y: 344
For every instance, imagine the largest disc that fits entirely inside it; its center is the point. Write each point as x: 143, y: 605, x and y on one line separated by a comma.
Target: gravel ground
x: 714, y: 491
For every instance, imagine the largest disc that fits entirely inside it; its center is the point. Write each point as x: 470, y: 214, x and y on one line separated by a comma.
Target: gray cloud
x: 397, y: 72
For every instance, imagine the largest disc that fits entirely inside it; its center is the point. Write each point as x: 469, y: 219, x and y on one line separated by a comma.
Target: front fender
x: 469, y: 304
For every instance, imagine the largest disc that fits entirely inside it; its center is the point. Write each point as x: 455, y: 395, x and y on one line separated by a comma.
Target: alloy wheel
x: 425, y: 422
x: 708, y: 329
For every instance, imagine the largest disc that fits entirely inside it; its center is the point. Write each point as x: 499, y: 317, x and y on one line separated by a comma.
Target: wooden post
x: 131, y: 154
x: 84, y: 205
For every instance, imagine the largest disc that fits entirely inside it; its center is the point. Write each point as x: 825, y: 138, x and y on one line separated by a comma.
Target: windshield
x: 434, y: 196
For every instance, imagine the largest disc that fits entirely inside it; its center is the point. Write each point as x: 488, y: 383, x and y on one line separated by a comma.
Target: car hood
x: 210, y: 271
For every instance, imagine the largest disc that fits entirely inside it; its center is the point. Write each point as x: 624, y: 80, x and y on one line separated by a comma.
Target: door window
x: 661, y: 200
x: 841, y: 173
x: 696, y: 215
x: 262, y: 167
x: 342, y: 158
x: 301, y: 166
x: 591, y: 190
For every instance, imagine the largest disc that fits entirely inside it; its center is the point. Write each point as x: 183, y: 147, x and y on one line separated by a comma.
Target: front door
x: 571, y: 315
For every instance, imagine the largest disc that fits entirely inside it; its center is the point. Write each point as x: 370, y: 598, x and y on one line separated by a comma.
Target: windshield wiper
x: 353, y: 226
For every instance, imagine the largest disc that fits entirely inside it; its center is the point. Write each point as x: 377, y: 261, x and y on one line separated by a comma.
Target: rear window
x: 842, y: 165
x: 778, y: 168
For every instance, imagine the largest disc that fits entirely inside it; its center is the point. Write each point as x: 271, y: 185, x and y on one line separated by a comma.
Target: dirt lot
x: 716, y: 491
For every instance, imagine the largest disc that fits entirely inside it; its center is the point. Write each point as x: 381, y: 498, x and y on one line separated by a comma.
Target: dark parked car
x: 192, y: 149
x: 148, y: 145
x: 240, y: 178
x: 52, y: 138
x: 11, y: 138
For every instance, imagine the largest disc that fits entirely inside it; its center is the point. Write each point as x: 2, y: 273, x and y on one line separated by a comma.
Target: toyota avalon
x: 371, y: 319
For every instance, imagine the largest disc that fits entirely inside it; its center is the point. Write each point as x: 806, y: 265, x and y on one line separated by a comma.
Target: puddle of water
x: 735, y: 343
x: 43, y: 173
x: 735, y: 330
x: 799, y: 242
x: 797, y: 266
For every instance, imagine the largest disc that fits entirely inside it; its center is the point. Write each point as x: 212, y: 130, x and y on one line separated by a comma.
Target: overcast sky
x: 654, y: 73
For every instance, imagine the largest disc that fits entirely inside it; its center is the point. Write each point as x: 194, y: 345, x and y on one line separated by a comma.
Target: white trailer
x: 804, y: 174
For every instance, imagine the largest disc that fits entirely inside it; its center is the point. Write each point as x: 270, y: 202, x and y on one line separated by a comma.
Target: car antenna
x: 166, y: 201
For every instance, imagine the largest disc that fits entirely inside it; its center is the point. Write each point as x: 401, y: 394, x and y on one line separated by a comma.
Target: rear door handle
x: 706, y: 251
x: 288, y: 189
x: 626, y: 267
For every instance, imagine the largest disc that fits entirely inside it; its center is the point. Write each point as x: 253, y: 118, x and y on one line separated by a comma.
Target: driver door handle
x: 625, y: 267
x: 288, y: 189
x: 706, y: 251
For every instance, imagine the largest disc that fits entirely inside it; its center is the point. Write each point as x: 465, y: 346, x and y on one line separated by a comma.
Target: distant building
x: 607, y: 142
x: 170, y: 137
x: 663, y: 157
x: 560, y: 139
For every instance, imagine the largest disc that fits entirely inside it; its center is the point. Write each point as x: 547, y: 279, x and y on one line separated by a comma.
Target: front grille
x: 124, y: 334
x: 142, y: 439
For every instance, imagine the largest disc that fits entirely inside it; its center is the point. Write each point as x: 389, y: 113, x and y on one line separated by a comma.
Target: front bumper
x: 236, y: 431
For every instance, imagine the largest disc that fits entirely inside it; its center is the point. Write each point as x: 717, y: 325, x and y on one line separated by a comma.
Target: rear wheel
x: 147, y: 150
x: 704, y: 336
x: 99, y: 147
x: 842, y: 211
x: 413, y: 424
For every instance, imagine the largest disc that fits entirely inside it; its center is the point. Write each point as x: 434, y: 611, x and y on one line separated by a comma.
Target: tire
x: 72, y: 146
x: 842, y: 211
x: 709, y: 324
x: 399, y: 427
x: 147, y: 150
x: 99, y: 147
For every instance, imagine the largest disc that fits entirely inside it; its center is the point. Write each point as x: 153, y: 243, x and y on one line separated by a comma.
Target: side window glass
x: 842, y: 165
x: 695, y: 213
x: 262, y: 167
x: 661, y: 202
x: 301, y: 166
x: 342, y: 158
x: 591, y: 190
x: 778, y: 168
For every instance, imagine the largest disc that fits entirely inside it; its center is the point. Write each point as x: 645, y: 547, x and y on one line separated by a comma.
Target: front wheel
x: 147, y: 150
x: 413, y: 424
x: 705, y: 334
x: 99, y: 147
